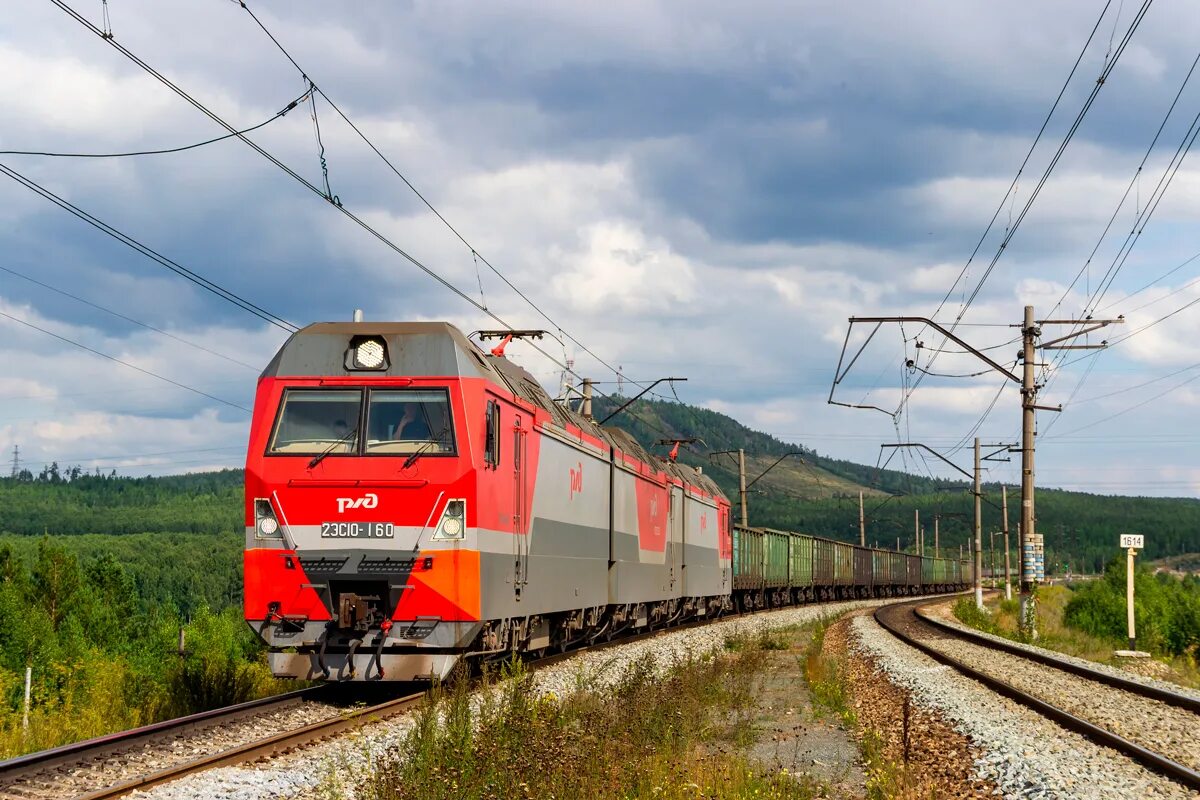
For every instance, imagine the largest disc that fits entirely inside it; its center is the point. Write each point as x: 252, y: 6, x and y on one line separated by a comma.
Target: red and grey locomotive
x: 412, y: 498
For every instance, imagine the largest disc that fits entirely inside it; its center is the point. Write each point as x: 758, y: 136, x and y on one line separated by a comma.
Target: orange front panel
x: 270, y: 579
x: 449, y: 590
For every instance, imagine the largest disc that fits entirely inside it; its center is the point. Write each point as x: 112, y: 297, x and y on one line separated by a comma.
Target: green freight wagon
x: 775, y: 558
x: 802, y: 562
x: 822, y: 567
x: 747, y: 559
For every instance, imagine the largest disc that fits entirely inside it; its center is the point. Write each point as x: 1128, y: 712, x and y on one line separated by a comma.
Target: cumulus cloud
x: 711, y: 193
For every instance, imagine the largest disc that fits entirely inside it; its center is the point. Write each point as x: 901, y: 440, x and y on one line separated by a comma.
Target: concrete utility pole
x: 978, y: 531
x: 936, y: 543
x: 1007, y: 560
x: 862, y: 523
x: 742, y: 485
x: 917, y: 531
x: 1030, y: 333
x: 974, y: 476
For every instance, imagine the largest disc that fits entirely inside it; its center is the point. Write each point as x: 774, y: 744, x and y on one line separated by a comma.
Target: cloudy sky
x: 699, y: 189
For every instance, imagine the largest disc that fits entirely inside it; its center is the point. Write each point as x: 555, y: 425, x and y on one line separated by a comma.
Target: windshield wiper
x: 319, y: 458
x: 424, y: 448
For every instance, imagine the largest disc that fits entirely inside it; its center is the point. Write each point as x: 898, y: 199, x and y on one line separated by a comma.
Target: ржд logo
x: 368, y: 500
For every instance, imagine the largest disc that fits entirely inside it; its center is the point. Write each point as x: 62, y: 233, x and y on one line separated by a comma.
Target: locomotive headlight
x: 453, y: 523
x: 366, y: 353
x: 265, y: 524
x: 369, y: 354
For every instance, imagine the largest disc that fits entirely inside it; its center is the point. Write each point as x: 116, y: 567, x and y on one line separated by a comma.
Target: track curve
x: 903, y: 622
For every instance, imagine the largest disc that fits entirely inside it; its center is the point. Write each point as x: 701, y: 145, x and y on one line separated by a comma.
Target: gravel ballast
x: 339, y: 762
x: 944, y: 613
x: 1024, y: 754
x: 71, y: 780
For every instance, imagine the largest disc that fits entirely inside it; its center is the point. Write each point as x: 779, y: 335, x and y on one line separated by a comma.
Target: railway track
x: 114, y: 765
x: 142, y: 757
x: 1156, y: 728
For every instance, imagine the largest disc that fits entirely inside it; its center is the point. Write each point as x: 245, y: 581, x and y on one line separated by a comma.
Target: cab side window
x: 492, y: 438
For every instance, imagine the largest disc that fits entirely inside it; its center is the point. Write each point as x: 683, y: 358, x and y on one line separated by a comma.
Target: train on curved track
x: 413, y: 499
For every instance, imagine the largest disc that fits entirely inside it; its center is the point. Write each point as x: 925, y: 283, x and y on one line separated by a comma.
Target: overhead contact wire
x: 278, y: 115
x: 306, y: 183
x: 116, y: 360
x: 474, y: 252
x: 118, y: 315
x: 150, y: 253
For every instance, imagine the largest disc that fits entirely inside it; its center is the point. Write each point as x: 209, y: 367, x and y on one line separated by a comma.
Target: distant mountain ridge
x: 807, y: 492
x: 817, y: 494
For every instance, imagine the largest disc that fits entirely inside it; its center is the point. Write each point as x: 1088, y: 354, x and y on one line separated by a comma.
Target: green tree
x: 56, y: 579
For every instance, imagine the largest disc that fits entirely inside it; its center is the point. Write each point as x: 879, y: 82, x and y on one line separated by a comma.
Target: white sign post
x: 1131, y: 543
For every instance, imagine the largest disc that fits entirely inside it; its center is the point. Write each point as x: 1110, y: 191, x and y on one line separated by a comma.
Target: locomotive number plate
x: 358, y: 530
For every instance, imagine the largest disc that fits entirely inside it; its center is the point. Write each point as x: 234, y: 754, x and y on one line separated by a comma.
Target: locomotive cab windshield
x: 409, y: 420
x: 397, y: 422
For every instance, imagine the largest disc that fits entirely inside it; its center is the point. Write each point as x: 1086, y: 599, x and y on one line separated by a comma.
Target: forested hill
x: 811, y: 493
x: 817, y: 494
x: 810, y: 475
x: 75, y: 502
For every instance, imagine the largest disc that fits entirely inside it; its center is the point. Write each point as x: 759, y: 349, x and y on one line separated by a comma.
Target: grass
x: 96, y: 692
x: 1001, y: 618
x: 826, y: 677
x: 671, y: 735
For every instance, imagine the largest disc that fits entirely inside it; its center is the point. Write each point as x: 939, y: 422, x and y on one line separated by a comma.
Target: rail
x: 1148, y: 758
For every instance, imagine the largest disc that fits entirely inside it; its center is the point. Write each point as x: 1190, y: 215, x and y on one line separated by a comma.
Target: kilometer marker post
x: 1131, y: 543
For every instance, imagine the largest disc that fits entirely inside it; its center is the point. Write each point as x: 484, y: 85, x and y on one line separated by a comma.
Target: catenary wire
x: 1109, y: 65
x: 1132, y: 181
x: 278, y: 115
x: 1012, y: 186
x: 303, y: 181
x: 116, y: 360
x: 129, y: 319
x: 153, y: 255
x: 1123, y: 252
x: 475, y: 254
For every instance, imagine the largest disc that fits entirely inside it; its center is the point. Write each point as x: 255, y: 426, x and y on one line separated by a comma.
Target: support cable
x: 153, y: 255
x: 420, y: 196
x: 116, y: 360
x: 66, y: 8
x: 278, y: 115
x: 1109, y: 65
x: 118, y: 315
